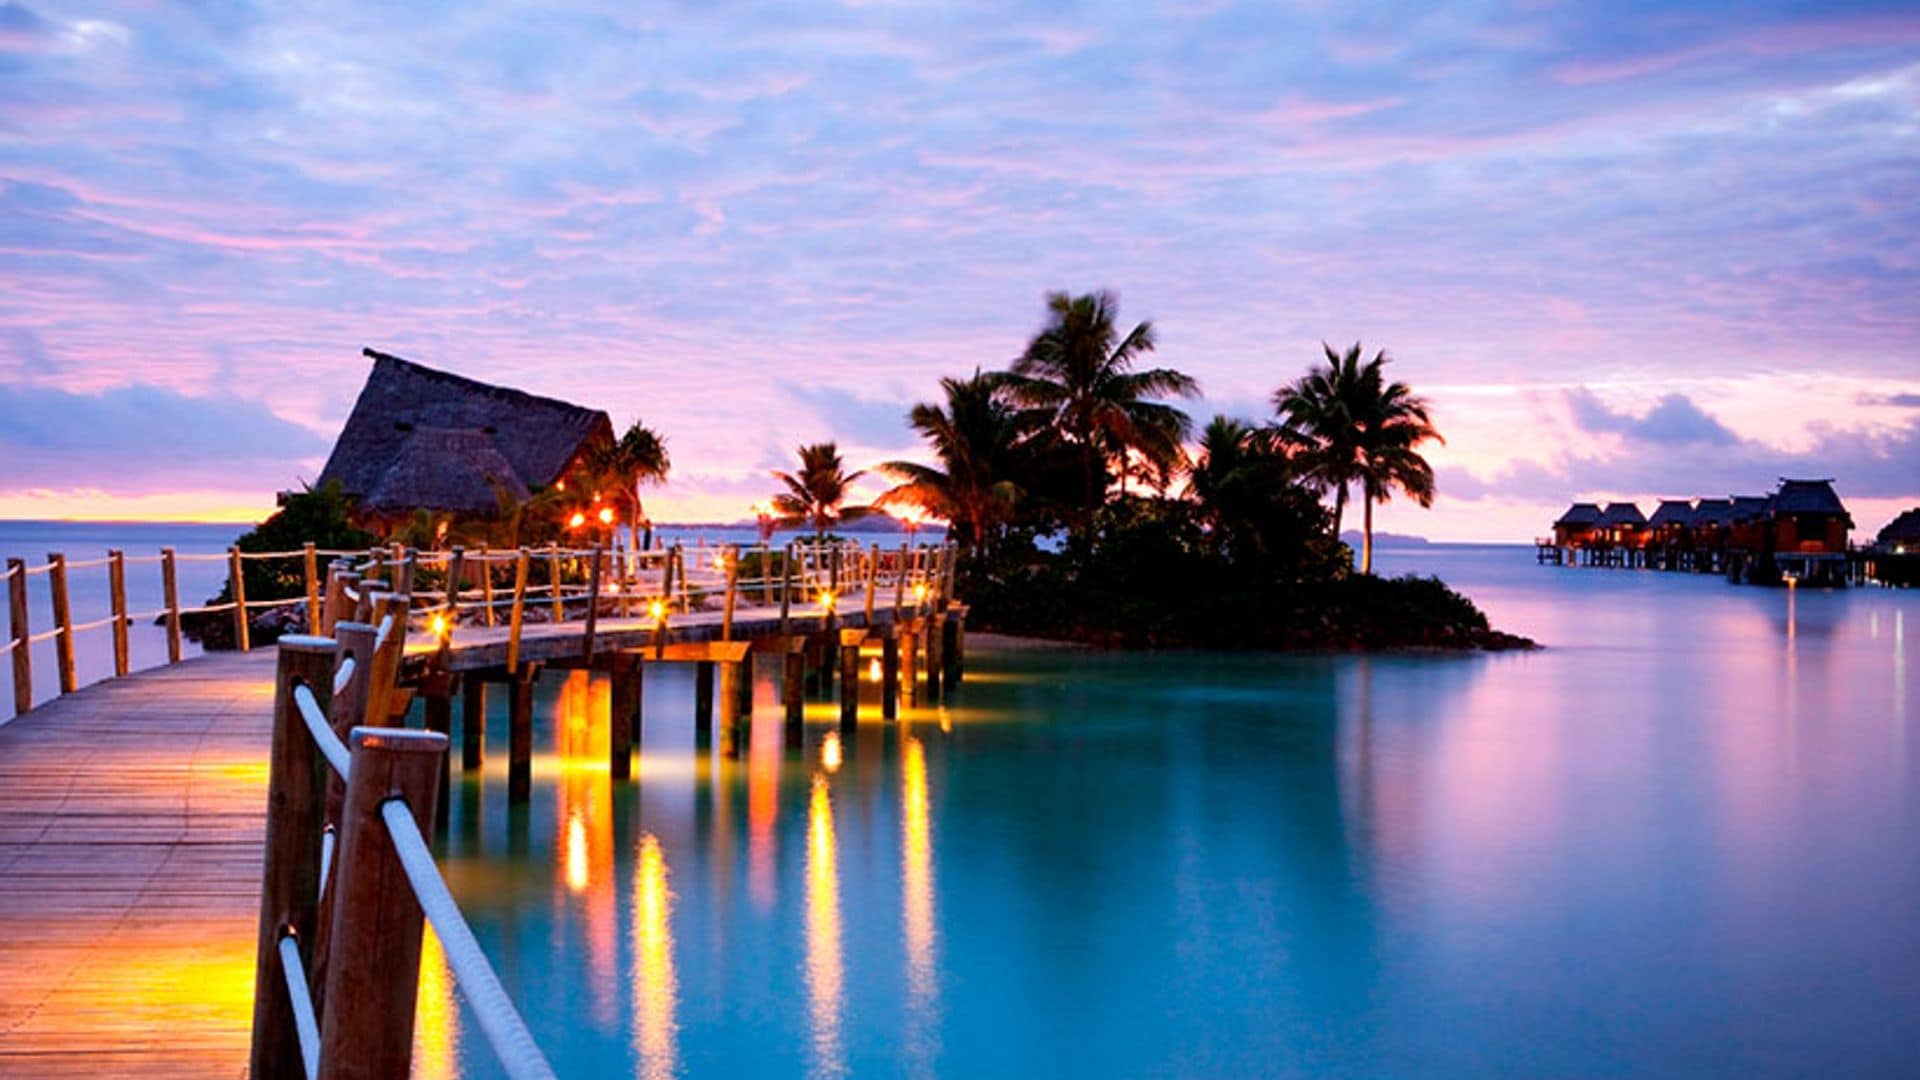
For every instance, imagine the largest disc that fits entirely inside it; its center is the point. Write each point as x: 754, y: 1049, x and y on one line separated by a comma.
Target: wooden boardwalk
x: 131, y: 824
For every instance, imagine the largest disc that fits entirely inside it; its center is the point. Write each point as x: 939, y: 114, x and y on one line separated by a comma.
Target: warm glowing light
x: 659, y: 610
x: 438, y: 625
x: 824, y: 964
x: 920, y: 592
x: 830, y: 752
x: 655, y: 986
x: 436, y: 1026
x: 577, y: 878
x: 826, y: 599
x: 916, y: 880
x: 578, y: 519
x: 873, y: 670
x: 606, y: 515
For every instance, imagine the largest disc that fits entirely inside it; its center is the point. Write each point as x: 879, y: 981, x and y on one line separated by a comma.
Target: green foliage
x: 316, y: 516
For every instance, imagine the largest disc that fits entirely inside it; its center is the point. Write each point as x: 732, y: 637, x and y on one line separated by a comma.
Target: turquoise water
x: 1679, y: 840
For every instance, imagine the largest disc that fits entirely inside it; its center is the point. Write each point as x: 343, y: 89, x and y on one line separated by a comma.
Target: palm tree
x: 1351, y: 425
x: 638, y: 458
x: 816, y: 494
x: 1079, y: 373
x: 1316, y: 418
x: 979, y: 438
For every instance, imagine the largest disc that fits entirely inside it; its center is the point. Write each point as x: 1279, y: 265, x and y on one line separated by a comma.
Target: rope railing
x: 306, y: 1024
x: 506, y: 1032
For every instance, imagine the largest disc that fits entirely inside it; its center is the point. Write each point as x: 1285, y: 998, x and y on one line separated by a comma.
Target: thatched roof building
x: 1580, y: 515
x: 421, y: 439
x: 1807, y: 497
x: 1622, y: 515
x: 1672, y: 514
x: 1902, y: 534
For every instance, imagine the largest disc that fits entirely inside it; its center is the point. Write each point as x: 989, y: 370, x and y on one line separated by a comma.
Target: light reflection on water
x: 1679, y: 840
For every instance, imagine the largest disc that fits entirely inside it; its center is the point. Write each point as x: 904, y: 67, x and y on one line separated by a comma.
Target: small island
x: 1083, y: 504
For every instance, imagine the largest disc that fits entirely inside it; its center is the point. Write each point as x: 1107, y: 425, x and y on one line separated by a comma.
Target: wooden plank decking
x: 131, y: 818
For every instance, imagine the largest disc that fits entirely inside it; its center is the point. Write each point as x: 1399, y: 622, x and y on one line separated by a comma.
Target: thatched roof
x: 1750, y: 507
x: 1674, y: 512
x: 1807, y: 497
x: 424, y: 439
x: 1619, y: 513
x: 1580, y: 514
x: 1712, y: 512
x: 1904, y: 529
x: 456, y: 470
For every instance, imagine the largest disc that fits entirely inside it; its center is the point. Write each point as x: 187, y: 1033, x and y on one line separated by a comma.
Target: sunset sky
x: 1627, y: 249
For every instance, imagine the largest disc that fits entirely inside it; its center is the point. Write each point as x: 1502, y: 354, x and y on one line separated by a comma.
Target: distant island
x: 1352, y: 537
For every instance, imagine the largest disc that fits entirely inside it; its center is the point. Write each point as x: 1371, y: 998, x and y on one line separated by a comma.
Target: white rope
x: 345, y: 675
x: 330, y: 745
x: 512, y: 1043
x: 386, y: 629
x: 326, y: 860
x: 304, y: 1023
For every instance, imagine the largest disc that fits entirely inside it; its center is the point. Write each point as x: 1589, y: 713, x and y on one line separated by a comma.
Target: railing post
x: 456, y: 578
x: 117, y: 598
x: 623, y: 726
x: 732, y: 556
x: 473, y: 721
x: 890, y: 672
x: 62, y: 623
x: 553, y: 576
x: 373, y: 966
x: 786, y: 588
x: 310, y: 565
x: 237, y: 578
x: 19, y: 627
x: 290, y: 882
x: 170, y: 589
x: 900, y: 581
x: 873, y: 577
x: 516, y: 616
x: 349, y: 707
x: 593, y: 603
x: 407, y: 562
x: 486, y: 584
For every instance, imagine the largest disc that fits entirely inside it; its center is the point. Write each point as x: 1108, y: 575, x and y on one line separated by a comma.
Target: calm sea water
x: 1679, y: 840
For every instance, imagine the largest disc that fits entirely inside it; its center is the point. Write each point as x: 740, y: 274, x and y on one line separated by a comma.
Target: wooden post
x: 62, y: 623
x: 953, y: 650
x: 910, y: 662
x: 732, y: 557
x: 890, y: 673
x: 703, y: 703
x: 19, y: 629
x: 310, y: 563
x: 553, y: 577
x: 290, y: 882
x: 623, y: 726
x: 848, y: 649
x: 333, y: 606
x: 520, y: 736
x: 486, y: 583
x: 515, y: 614
x: 766, y: 574
x: 117, y: 597
x: 473, y: 721
x: 873, y: 575
x: 786, y: 588
x: 666, y: 579
x: 405, y: 564
x: 593, y: 603
x: 373, y: 966
x: 732, y: 717
x: 436, y: 694
x: 456, y: 577
x: 383, y: 670
x: 933, y: 633
x: 900, y: 582
x: 237, y: 581
x: 349, y: 707
x: 793, y: 682
x: 170, y: 588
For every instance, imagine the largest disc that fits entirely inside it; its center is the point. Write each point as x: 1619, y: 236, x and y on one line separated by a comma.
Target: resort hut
x: 1806, y: 517
x: 1671, y: 520
x: 1576, y: 527
x: 1747, y: 523
x: 1624, y: 524
x: 1901, y: 536
x: 422, y: 439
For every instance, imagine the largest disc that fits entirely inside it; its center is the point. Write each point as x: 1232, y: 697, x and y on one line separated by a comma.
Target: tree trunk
x: 1339, y: 508
x: 1366, y: 536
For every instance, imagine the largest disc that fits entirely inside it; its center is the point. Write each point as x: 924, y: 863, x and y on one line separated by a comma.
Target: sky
x: 1626, y: 249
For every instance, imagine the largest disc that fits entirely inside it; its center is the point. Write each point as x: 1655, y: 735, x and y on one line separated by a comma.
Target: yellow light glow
x: 436, y: 1027
x: 830, y: 752
x: 655, y: 984
x: 824, y: 965
x: 873, y: 670
x: 577, y: 879
x: 606, y: 515
x: 826, y: 599
x: 438, y: 625
x: 578, y: 519
x: 920, y: 592
x: 658, y: 609
x: 917, y: 877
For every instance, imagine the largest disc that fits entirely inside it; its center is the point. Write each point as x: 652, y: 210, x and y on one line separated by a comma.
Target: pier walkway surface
x: 132, y: 815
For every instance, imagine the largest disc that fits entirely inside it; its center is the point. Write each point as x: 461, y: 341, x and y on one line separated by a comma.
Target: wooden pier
x: 138, y: 934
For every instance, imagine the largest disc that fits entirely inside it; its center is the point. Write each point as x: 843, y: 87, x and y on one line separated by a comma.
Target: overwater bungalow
x: 1577, y: 526
x: 422, y: 439
x: 1901, y: 536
